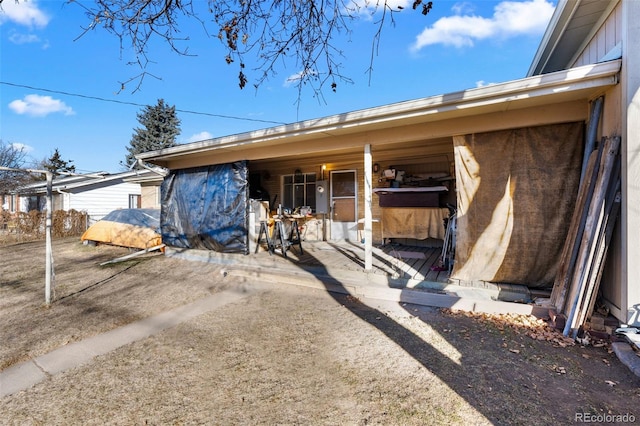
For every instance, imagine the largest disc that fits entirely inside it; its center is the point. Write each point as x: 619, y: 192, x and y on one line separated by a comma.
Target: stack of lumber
x: 582, y: 261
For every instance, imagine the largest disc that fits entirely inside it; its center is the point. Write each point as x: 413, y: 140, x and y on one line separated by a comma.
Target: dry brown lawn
x: 282, y: 354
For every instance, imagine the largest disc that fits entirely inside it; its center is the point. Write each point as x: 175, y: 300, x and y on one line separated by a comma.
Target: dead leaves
x: 528, y: 325
x: 551, y: 335
x: 559, y: 370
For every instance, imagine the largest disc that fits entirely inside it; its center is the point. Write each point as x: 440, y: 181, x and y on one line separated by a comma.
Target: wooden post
x: 572, y: 243
x: 592, y: 280
x: 593, y: 225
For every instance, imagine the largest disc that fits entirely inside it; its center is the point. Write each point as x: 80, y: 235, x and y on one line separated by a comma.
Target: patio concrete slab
x: 343, y: 274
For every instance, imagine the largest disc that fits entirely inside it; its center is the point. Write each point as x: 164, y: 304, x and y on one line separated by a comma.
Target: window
x: 299, y: 190
x: 135, y: 201
x: 35, y: 202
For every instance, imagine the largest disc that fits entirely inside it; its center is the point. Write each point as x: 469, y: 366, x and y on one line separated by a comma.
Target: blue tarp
x: 207, y: 208
x: 149, y: 218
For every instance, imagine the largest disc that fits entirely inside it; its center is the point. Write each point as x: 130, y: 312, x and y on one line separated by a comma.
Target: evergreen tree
x: 56, y: 164
x: 160, y: 128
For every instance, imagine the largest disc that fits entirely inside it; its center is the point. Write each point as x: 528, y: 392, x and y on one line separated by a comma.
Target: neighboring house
x: 96, y: 194
x: 515, y: 150
x: 150, y: 182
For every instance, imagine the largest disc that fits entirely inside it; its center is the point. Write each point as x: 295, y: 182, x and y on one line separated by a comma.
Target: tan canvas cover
x: 414, y: 222
x: 135, y: 228
x: 515, y: 191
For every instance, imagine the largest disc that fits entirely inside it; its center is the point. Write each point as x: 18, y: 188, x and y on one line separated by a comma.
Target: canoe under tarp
x: 136, y: 228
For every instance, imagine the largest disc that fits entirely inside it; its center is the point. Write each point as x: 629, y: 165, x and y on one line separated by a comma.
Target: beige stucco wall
x: 150, y: 196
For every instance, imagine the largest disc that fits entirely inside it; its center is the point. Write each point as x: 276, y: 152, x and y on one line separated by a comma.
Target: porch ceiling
x: 545, y: 99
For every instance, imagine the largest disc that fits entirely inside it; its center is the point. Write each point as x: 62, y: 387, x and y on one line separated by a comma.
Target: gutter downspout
x: 67, y: 196
x: 141, y: 163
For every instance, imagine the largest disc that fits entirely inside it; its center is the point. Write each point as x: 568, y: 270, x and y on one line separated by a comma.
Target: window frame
x: 290, y: 183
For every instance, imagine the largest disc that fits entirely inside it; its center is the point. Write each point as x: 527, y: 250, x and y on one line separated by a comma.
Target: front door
x: 344, y: 205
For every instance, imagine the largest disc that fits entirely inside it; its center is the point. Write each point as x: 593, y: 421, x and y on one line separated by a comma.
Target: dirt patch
x: 282, y: 355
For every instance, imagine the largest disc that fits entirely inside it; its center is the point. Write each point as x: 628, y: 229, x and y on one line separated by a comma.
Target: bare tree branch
x: 269, y: 34
x: 11, y: 157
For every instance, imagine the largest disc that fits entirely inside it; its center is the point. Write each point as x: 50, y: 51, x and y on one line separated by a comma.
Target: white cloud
x: 464, y: 8
x: 374, y: 5
x: 294, y: 78
x: 482, y: 83
x: 510, y: 19
x: 26, y: 13
x: 202, y: 136
x: 19, y: 38
x: 366, y: 9
x: 39, y: 106
x: 21, y: 147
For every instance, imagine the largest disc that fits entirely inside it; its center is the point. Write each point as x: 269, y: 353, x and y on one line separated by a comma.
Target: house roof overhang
x: 571, y: 26
x: 81, y: 182
x: 432, y: 117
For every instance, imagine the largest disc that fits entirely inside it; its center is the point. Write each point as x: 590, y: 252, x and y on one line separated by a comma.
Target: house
x: 95, y: 194
x: 509, y: 156
x: 150, y: 182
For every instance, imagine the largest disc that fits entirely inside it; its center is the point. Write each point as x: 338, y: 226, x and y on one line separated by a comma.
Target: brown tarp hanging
x: 516, y: 190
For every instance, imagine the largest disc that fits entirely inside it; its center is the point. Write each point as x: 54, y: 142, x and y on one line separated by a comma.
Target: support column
x: 368, y: 191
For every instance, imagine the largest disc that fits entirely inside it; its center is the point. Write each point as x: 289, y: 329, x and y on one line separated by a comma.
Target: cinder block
x: 597, y: 323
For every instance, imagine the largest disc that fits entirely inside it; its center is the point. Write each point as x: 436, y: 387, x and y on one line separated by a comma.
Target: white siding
x: 100, y: 201
x: 604, y: 40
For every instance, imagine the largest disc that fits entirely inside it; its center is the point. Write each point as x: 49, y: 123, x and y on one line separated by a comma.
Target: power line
x: 96, y: 98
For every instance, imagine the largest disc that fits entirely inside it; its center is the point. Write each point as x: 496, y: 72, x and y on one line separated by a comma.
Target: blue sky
x: 49, y: 78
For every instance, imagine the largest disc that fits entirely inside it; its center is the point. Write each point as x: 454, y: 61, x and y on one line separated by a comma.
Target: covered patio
x: 439, y: 133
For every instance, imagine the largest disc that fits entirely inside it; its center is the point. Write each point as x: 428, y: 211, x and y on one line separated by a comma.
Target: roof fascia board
x: 74, y: 178
x: 557, y: 26
x: 66, y: 184
x: 461, y: 103
x: 93, y: 181
x: 424, y: 131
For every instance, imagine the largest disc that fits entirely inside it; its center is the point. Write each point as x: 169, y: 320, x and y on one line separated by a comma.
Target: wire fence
x: 31, y: 226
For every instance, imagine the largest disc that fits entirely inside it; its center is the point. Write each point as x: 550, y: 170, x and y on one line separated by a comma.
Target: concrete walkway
x: 22, y: 376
